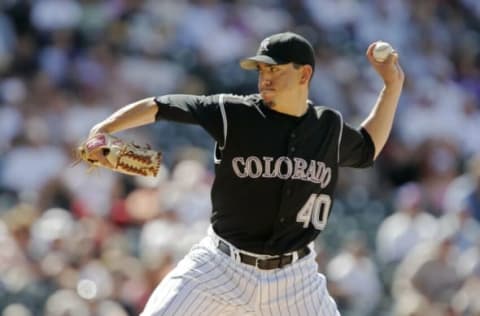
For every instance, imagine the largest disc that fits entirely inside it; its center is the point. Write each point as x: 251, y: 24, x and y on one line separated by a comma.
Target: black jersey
x: 275, y: 174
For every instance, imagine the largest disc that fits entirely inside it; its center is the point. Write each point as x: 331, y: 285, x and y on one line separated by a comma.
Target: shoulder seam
x: 247, y: 101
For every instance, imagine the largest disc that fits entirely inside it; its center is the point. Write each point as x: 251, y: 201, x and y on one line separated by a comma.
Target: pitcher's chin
x: 267, y: 97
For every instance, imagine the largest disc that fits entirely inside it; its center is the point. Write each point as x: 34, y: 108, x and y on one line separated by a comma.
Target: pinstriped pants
x: 208, y: 282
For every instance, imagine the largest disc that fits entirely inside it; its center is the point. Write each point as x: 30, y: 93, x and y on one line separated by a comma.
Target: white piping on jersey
x: 224, y: 119
x: 221, y: 103
x: 215, y: 159
x: 259, y: 110
x: 340, y: 134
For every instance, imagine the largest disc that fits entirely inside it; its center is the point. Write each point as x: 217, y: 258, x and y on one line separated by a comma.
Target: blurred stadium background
x: 404, y: 236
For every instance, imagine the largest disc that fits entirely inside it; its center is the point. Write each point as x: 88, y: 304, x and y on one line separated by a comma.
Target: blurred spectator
x: 428, y: 278
x: 145, y: 201
x: 466, y: 300
x: 53, y: 226
x: 7, y: 41
x: 16, y: 310
x: 187, y: 195
x: 437, y: 279
x: 461, y: 226
x: 110, y: 308
x: 66, y: 302
x: 55, y: 59
x: 473, y: 196
x: 45, y: 15
x: 438, y: 168
x: 464, y: 191
x: 408, y: 226
x: 29, y: 165
x: 92, y: 190
x: 354, y: 278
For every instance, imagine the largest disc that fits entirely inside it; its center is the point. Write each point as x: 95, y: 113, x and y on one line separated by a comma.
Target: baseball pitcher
x: 277, y: 158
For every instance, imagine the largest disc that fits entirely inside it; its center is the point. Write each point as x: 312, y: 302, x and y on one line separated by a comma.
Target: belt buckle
x: 283, y: 260
x: 262, y: 264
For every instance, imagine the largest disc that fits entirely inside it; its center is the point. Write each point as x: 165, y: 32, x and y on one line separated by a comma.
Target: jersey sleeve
x: 356, y: 148
x: 205, y: 111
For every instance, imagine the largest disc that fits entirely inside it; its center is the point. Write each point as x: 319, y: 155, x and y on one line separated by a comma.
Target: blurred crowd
x: 404, y: 236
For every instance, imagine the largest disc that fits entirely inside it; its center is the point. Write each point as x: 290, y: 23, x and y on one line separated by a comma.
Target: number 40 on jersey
x: 315, y: 211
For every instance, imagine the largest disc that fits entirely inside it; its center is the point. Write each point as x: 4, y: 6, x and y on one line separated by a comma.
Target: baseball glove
x: 105, y: 150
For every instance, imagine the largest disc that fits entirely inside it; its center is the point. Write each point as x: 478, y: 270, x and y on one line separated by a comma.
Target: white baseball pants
x: 208, y: 282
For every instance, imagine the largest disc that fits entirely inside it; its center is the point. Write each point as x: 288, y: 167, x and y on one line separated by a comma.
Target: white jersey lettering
x: 254, y: 167
x: 236, y: 168
x: 282, y: 168
x: 324, y: 174
x: 300, y: 166
x: 278, y: 167
x: 267, y: 171
x: 311, y: 171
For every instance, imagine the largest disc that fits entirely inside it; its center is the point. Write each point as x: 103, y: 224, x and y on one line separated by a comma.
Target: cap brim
x: 251, y: 63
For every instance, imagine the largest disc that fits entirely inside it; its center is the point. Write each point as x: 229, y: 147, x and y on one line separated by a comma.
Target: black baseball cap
x: 282, y: 48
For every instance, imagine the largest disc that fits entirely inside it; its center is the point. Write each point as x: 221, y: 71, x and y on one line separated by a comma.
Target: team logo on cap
x: 264, y: 45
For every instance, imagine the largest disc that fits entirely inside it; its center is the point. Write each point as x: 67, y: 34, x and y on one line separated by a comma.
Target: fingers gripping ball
x: 105, y: 150
x: 381, y: 51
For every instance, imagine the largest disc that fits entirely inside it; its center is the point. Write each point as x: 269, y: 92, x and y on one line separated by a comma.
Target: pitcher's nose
x: 265, y: 83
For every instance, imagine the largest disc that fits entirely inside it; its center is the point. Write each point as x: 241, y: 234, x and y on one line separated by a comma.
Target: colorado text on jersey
x: 282, y: 168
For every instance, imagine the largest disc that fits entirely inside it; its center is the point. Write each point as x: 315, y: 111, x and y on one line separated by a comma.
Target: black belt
x: 264, y: 264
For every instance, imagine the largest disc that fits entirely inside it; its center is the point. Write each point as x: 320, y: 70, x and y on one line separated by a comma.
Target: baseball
x: 381, y: 51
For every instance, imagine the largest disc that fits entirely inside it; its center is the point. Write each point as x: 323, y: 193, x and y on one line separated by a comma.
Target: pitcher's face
x: 275, y: 82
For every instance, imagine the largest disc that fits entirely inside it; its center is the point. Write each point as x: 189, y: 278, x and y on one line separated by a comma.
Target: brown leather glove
x: 105, y: 150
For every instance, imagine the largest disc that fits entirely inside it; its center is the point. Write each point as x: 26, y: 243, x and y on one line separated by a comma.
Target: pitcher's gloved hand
x: 105, y: 150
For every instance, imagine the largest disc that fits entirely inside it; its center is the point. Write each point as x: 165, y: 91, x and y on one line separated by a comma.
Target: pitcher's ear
x: 307, y: 73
